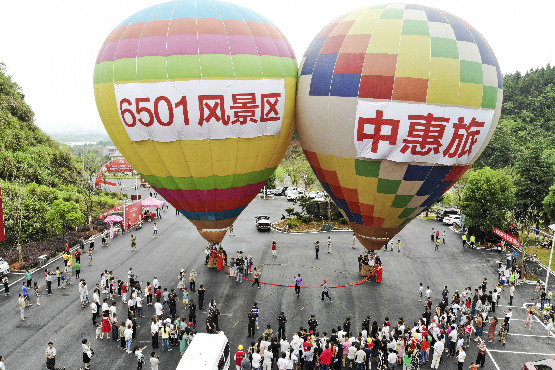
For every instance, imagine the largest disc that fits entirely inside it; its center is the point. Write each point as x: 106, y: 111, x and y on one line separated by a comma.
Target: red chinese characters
x: 464, y: 138
x: 420, y: 134
x: 425, y: 134
x: 378, y: 135
x: 244, y: 108
x: 211, y: 107
x: 269, y: 111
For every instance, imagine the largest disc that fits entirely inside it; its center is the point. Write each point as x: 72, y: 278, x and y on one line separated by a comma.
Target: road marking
x: 492, y: 359
x: 521, y: 353
x: 529, y: 335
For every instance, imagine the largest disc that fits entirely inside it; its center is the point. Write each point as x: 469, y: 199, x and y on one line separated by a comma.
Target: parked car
x: 4, y: 267
x: 442, y: 213
x: 315, y: 194
x: 263, y: 223
x: 547, y: 364
x: 280, y: 190
x: 290, y: 190
x: 292, y: 196
x: 449, y: 220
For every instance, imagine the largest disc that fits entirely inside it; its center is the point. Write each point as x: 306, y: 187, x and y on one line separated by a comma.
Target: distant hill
x: 93, y: 136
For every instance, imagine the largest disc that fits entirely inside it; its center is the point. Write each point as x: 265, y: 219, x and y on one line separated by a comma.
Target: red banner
x: 508, y: 237
x: 116, y: 165
x: 2, y: 232
x: 133, y: 214
x: 115, y: 209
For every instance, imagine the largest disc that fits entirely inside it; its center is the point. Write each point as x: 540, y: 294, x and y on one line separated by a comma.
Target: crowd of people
x: 447, y: 329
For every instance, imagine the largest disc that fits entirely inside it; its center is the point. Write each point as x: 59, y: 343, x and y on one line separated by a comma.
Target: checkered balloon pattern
x: 437, y: 79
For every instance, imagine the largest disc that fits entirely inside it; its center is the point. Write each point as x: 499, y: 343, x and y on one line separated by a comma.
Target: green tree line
x: 46, y: 190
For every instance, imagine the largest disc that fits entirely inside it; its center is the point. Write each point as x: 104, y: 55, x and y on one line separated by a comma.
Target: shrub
x: 342, y: 220
x: 306, y: 219
x: 291, y: 224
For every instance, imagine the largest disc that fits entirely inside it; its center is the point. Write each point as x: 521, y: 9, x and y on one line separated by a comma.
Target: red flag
x: 2, y: 232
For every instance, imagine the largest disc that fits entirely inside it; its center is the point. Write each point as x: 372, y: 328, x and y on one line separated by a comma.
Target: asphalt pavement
x: 61, y: 319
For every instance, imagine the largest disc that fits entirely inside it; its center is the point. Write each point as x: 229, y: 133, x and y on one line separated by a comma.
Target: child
x: 63, y: 278
x: 140, y: 357
x: 529, y: 319
x: 37, y: 293
x: 98, y: 330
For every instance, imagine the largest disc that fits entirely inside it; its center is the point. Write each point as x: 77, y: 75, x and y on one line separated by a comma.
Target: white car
x: 290, y: 190
x: 315, y: 194
x: 292, y: 196
x: 450, y: 220
x: 4, y: 267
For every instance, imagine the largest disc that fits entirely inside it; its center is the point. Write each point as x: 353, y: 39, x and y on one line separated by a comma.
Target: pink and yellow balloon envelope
x: 394, y: 103
x: 199, y: 97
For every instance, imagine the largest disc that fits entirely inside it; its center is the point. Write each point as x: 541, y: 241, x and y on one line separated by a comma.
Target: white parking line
x: 521, y: 353
x: 492, y: 359
x: 530, y: 335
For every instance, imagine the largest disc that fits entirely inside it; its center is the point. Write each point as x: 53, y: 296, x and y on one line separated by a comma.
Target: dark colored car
x: 263, y: 223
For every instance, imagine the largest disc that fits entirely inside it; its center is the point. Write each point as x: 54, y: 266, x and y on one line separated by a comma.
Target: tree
x: 296, y: 166
x: 549, y: 205
x: 534, y: 176
x: 63, y: 215
x: 488, y: 197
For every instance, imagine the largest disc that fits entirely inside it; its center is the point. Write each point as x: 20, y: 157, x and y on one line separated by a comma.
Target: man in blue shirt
x: 25, y: 292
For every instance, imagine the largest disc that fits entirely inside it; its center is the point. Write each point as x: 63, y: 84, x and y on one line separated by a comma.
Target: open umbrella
x: 113, y: 218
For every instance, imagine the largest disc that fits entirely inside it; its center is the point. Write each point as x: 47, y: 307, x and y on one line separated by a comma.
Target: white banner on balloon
x: 201, y: 109
x: 405, y: 132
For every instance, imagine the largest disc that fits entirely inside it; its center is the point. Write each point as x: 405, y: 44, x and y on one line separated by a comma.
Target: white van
x: 206, y: 352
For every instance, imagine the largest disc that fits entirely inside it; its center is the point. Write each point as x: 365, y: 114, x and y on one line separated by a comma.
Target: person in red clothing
x: 239, y: 357
x: 66, y: 247
x: 325, y: 358
x: 274, y: 249
x: 124, y: 292
x: 379, y: 271
x: 78, y: 256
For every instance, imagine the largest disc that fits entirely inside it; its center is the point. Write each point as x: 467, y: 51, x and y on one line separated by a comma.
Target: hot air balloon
x: 394, y: 103
x: 199, y: 97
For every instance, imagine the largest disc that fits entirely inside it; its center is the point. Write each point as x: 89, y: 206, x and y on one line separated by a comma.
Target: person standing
x: 274, y: 249
x: 77, y: 269
x: 438, y: 351
x: 50, y: 356
x: 460, y: 358
x: 433, y: 235
x: 29, y: 278
x: 154, y: 230
x: 201, y: 292
x: 78, y: 256
x: 37, y: 293
x: 89, y: 253
x: 192, y: 282
x: 325, y: 290
x: 2, y: 366
x: 317, y: 248
x: 329, y: 244
x: 6, y: 283
x: 256, y: 311
x: 464, y: 240
x: 133, y: 242
x: 21, y: 302
x: 154, y: 361
x: 472, y: 241
x: 256, y: 281
x: 87, y: 353
x: 512, y: 291
x: 399, y: 245
x: 437, y: 244
x: 282, y: 320
x: 25, y: 292
x: 298, y: 281
x: 481, y: 353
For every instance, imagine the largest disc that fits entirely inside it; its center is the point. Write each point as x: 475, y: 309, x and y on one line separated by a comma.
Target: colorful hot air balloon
x: 199, y: 96
x: 394, y: 103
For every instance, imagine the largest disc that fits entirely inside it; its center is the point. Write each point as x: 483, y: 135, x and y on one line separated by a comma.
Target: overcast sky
x: 50, y: 47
